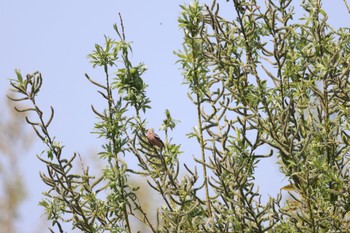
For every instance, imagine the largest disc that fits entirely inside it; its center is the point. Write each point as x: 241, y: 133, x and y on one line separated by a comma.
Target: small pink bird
x: 154, y: 139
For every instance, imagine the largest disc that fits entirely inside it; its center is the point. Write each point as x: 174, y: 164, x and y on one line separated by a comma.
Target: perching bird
x: 154, y: 139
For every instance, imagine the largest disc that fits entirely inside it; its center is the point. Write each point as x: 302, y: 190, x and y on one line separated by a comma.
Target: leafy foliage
x: 261, y: 80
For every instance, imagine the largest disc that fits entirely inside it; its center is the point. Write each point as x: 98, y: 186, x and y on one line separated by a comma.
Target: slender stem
x: 201, y: 141
x: 120, y: 181
x: 199, y: 115
x: 347, y: 5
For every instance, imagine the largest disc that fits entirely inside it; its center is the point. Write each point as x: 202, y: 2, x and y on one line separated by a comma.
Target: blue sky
x: 55, y: 37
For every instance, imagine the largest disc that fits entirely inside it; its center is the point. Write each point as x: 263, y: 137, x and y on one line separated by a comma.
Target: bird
x: 154, y: 139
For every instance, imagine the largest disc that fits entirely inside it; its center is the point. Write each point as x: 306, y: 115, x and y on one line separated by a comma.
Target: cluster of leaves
x: 106, y: 203
x: 261, y: 80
